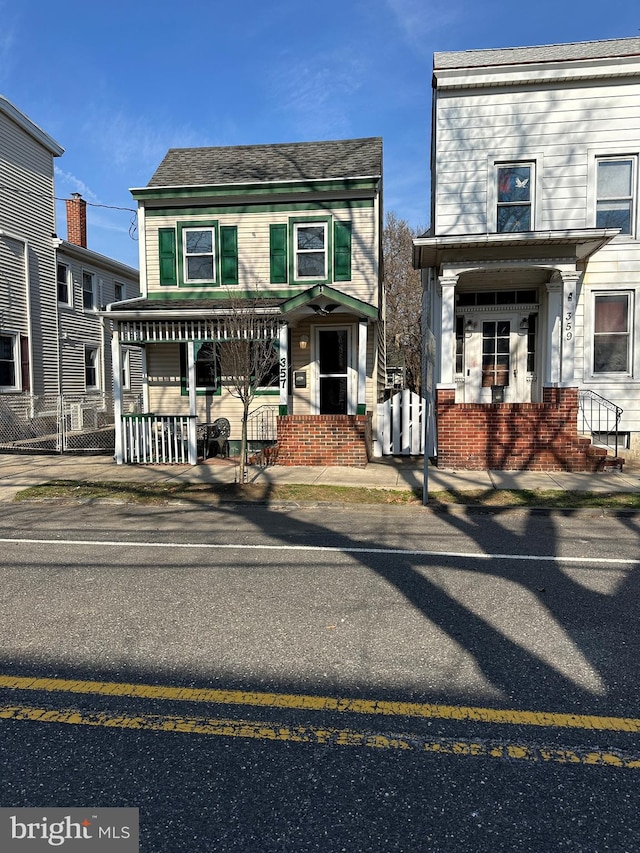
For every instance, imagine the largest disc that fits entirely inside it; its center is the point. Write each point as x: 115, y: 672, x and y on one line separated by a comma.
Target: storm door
x: 333, y: 371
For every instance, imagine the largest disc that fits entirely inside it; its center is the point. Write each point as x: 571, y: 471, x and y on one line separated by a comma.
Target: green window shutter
x: 229, y: 254
x: 167, y: 251
x: 278, y: 253
x: 342, y: 251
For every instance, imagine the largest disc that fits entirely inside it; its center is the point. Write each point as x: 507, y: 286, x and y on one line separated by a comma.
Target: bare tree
x: 249, y: 357
x: 403, y: 299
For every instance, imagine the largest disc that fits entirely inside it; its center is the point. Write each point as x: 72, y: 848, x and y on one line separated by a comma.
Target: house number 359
x: 568, y: 319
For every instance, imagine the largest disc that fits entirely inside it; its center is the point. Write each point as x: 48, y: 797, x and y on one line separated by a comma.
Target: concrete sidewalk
x: 19, y: 471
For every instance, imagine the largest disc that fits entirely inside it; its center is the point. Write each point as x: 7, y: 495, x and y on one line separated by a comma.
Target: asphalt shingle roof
x: 345, y: 158
x: 544, y: 53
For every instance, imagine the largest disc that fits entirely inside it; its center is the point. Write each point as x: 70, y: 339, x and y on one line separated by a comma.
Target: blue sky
x: 118, y: 83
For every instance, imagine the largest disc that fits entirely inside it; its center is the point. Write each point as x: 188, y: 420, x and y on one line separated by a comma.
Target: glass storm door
x: 333, y: 371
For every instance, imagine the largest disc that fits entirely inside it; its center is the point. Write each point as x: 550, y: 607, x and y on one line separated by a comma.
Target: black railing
x: 600, y: 418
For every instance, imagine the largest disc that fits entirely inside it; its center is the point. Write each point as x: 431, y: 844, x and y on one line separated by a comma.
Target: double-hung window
x: 614, y: 192
x: 9, y: 362
x: 119, y: 291
x: 89, y: 291
x: 310, y: 250
x: 515, y: 197
x: 612, y: 332
x: 91, y: 368
x: 64, y: 289
x: 199, y: 254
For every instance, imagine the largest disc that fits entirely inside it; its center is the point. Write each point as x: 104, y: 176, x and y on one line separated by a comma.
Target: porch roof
x: 578, y: 243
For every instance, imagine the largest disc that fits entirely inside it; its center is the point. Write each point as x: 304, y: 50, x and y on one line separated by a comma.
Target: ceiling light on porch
x: 323, y: 309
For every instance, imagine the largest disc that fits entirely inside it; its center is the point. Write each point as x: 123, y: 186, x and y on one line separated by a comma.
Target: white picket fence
x: 400, y: 421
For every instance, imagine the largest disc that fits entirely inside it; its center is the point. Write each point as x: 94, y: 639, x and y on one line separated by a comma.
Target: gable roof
x: 574, y: 51
x: 294, y: 161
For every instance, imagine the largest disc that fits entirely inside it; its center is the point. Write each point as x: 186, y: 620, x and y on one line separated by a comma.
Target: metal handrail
x: 261, y: 424
x: 600, y: 416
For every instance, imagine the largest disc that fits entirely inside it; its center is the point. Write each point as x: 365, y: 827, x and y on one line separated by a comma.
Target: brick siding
x: 324, y: 440
x: 514, y: 436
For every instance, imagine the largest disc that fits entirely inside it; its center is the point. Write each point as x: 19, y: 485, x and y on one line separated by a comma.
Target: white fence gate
x: 401, y: 425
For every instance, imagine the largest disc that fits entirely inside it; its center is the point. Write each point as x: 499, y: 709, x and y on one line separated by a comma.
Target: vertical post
x: 192, y: 431
x: 569, y: 299
x: 116, y: 357
x: 447, y: 328
x: 362, y: 368
x: 554, y: 323
x: 283, y: 379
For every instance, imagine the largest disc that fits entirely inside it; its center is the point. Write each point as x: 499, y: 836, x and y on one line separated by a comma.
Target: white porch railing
x: 159, y: 439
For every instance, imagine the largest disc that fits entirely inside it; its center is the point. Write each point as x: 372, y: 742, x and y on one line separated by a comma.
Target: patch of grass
x: 213, y: 495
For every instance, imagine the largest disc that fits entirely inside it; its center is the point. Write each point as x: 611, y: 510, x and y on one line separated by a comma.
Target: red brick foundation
x: 324, y: 440
x: 514, y: 436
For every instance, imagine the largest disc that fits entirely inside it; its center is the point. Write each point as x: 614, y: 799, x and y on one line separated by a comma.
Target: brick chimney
x: 77, y: 220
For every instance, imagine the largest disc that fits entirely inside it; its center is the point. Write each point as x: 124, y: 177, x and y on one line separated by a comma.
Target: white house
x: 532, y: 263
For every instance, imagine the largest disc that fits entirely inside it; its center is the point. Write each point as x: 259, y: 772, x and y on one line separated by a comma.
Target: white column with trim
x: 362, y: 368
x: 116, y: 356
x: 554, y: 330
x: 570, y: 282
x: 447, y: 286
x: 283, y: 379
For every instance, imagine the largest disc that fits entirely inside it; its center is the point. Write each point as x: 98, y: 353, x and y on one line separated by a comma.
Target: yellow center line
x: 325, y: 736
x: 303, y: 702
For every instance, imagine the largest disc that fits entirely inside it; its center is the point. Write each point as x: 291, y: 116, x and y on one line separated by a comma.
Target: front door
x: 333, y: 371
x: 497, y: 360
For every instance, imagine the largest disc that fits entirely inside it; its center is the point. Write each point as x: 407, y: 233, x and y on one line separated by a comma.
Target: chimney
x: 77, y: 220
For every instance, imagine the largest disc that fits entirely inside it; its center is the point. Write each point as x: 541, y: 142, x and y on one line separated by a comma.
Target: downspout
x: 27, y: 283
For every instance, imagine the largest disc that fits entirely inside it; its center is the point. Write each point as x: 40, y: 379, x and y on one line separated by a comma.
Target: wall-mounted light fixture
x: 524, y: 324
x: 469, y: 326
x: 304, y: 341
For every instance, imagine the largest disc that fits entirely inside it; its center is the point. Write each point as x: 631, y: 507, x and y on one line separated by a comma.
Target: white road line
x: 409, y: 552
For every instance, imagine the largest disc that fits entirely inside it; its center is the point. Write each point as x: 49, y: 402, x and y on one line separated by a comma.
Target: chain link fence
x: 70, y: 423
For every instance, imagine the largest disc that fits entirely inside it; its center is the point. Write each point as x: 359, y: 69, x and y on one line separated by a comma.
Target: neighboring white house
x: 53, y: 341
x: 532, y: 263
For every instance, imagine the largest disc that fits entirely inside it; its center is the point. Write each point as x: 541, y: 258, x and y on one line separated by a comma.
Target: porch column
x: 569, y: 299
x: 554, y: 325
x: 284, y: 370
x: 447, y: 287
x: 191, y: 372
x: 362, y: 368
x: 116, y: 366
x: 192, y: 438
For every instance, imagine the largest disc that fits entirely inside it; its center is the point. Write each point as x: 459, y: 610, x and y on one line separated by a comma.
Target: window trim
x: 529, y: 163
x: 95, y: 350
x: 123, y: 291
x: 296, y: 222
x: 201, y: 390
x: 94, y: 291
x: 610, y: 375
x: 68, y: 283
x: 183, y: 229
x: 632, y: 198
x: 17, y: 364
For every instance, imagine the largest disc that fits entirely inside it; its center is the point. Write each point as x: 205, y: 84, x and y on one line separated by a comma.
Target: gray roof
x: 295, y: 161
x: 30, y: 127
x: 544, y: 53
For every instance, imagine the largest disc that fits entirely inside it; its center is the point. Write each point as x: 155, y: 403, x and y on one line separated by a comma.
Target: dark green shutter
x: 342, y: 251
x: 167, y: 251
x: 278, y: 253
x: 229, y: 254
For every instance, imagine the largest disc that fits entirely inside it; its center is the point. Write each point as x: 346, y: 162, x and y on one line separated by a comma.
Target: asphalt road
x: 325, y: 678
